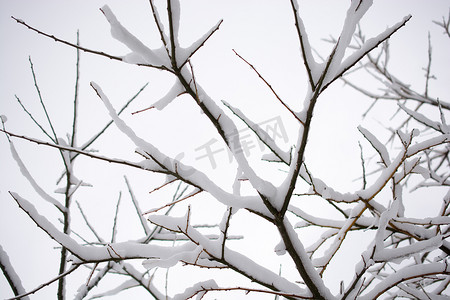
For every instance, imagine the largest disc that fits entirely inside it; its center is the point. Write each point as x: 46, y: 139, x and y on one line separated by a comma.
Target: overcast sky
x: 262, y: 31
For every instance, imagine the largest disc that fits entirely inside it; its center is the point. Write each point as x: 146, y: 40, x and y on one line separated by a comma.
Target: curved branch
x: 405, y: 274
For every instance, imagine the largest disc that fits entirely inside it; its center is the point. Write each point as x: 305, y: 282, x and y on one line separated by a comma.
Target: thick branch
x: 305, y: 133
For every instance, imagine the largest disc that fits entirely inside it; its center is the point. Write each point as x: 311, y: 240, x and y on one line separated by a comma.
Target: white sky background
x: 261, y: 31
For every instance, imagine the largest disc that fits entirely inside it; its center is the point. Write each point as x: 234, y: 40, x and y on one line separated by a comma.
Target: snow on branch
x: 189, y: 256
x: 379, y: 207
x: 86, y: 287
x: 227, y: 131
x: 61, y: 275
x: 385, y: 255
x: 306, y: 49
x: 405, y: 274
x: 128, y: 284
x: 32, y: 181
x: 438, y: 126
x: 187, y: 53
x: 326, y: 222
x: 202, y: 288
x: 66, y: 42
x: 354, y: 15
x: 368, y: 46
x: 176, y: 90
x: 282, y: 155
x: 234, y: 260
x: 143, y: 165
x: 216, y: 115
x: 146, y: 147
x: 85, y: 254
x: 377, y: 145
x: 141, y: 53
x: 175, y: 168
x: 199, y: 289
x: 143, y: 281
x: 10, y: 274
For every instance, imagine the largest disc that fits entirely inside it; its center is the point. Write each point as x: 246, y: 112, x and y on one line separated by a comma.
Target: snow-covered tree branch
x: 193, y: 221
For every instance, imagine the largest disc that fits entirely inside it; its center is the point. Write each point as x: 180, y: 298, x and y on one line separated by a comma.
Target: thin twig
x: 95, y: 137
x: 114, y: 228
x: 270, y: 87
x: 193, y: 79
x: 142, y: 110
x: 74, y: 267
x: 248, y: 290
x: 225, y: 231
x: 201, y: 44
x: 75, y: 100
x: 138, y: 209
x: 445, y: 24
x: 34, y: 120
x: 363, y: 166
x: 92, y: 272
x: 174, y: 202
x: 89, y: 154
x: 113, y: 57
x: 163, y: 185
x: 42, y: 101
x: 159, y: 26
x: 304, y: 44
x: 428, y: 68
x: 89, y: 224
